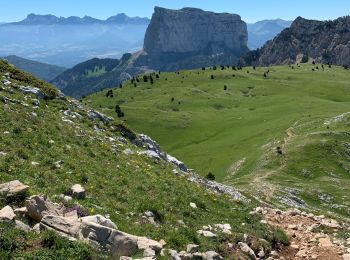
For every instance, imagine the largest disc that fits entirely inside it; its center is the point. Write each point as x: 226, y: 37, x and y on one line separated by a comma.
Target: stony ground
x: 311, y: 237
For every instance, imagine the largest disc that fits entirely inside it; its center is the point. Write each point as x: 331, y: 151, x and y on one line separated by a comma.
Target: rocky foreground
x: 312, y: 237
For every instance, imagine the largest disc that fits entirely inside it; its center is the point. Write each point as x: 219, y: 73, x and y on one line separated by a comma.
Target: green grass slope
x: 234, y: 131
x: 33, y: 140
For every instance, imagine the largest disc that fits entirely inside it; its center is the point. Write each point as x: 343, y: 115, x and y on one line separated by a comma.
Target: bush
x: 279, y: 238
x: 109, y: 93
x: 119, y: 112
x: 210, y: 176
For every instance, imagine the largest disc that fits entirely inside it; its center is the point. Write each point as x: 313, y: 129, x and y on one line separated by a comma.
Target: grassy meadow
x: 231, y: 123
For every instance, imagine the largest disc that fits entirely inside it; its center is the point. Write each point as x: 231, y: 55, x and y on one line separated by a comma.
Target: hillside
x: 231, y: 126
x: 261, y: 32
x: 50, y: 142
x: 43, y: 71
x: 95, y: 74
x: 323, y: 41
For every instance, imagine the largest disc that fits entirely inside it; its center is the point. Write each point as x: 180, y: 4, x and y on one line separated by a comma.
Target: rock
x: 346, y: 257
x: 246, y: 249
x: 325, y: 242
x: 13, y: 188
x: 174, y: 255
x: 150, y: 154
x: 293, y: 212
x: 68, y: 225
x: 92, y: 114
x: 192, y: 248
x: 176, y: 38
x: 149, y: 253
x: 58, y: 164
x: 193, y: 205
x: 125, y: 258
x: 212, y: 255
x: 321, y: 41
x: 225, y: 228
x: 38, y: 206
x: 263, y: 221
x: 198, y: 255
x: 30, y: 90
x: 36, y: 228
x: 206, y: 233
x: 20, y: 211
x: 101, y: 220
x: 149, y: 214
x: 176, y: 162
x: 293, y: 227
x: 20, y: 225
x: 77, y: 191
x: 185, y: 256
x: 331, y: 223
x: 162, y: 242
x: 7, y: 214
x: 295, y: 246
x: 65, y: 198
x: 6, y: 82
x: 261, y: 253
x: 117, y: 242
x: 301, y: 253
x: 128, y: 152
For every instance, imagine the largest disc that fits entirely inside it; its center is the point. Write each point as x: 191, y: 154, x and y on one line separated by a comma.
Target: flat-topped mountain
x: 175, y: 39
x: 190, y: 38
x: 194, y: 30
x: 322, y: 41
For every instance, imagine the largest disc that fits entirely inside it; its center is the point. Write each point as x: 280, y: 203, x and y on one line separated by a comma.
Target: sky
x: 250, y: 10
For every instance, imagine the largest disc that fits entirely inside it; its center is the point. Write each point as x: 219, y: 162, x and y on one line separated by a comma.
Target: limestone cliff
x: 190, y: 38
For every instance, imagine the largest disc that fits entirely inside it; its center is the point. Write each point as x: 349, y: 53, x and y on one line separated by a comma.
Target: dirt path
x: 311, y: 237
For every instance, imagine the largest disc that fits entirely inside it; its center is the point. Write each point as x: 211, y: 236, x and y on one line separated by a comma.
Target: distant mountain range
x: 263, y: 31
x: 33, y: 19
x: 69, y: 41
x: 43, y: 71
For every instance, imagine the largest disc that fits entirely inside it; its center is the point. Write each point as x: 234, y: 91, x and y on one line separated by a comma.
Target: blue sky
x: 250, y: 10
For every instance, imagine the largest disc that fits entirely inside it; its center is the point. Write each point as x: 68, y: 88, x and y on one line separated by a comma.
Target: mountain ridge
x: 322, y: 41
x: 49, y: 19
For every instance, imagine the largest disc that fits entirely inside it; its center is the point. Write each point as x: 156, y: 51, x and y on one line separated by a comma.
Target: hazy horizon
x: 251, y: 11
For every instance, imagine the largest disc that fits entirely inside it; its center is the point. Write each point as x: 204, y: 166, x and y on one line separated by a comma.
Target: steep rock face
x: 326, y: 42
x: 188, y: 38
